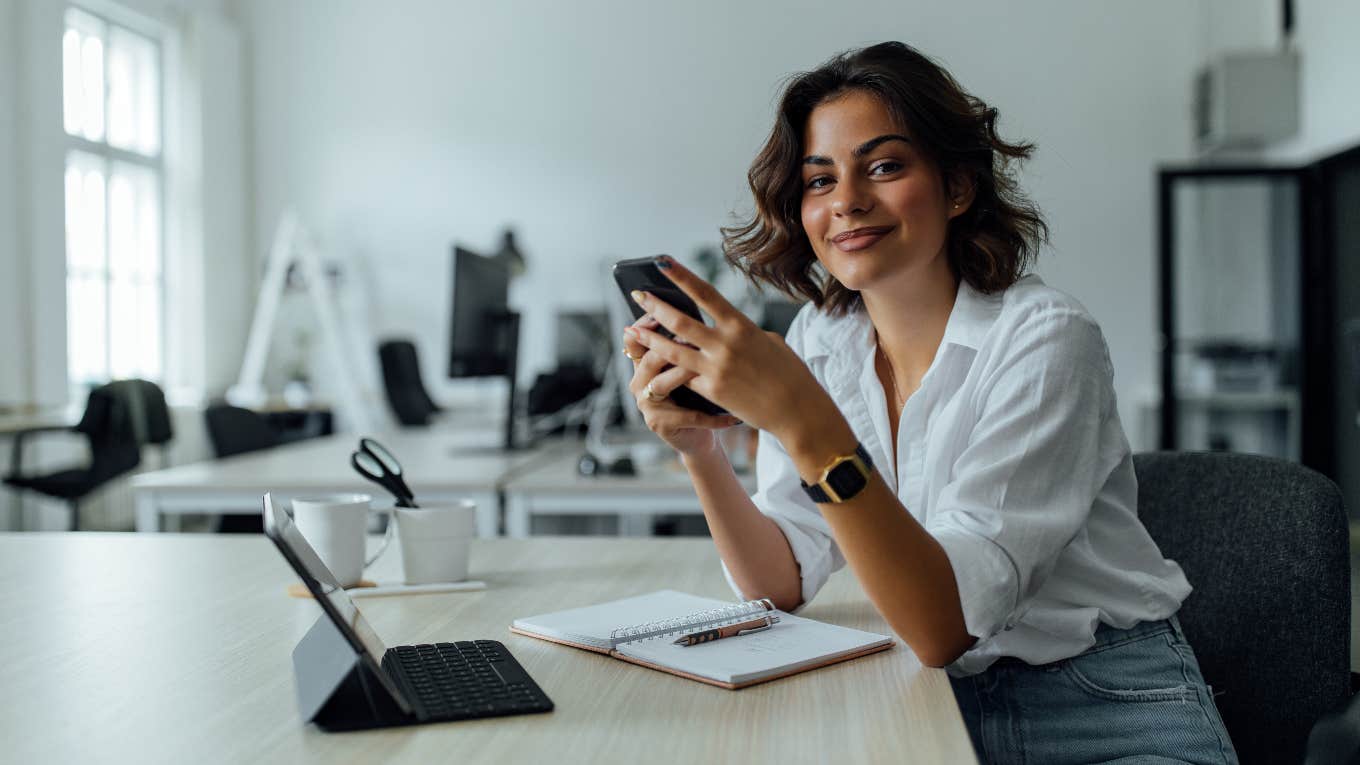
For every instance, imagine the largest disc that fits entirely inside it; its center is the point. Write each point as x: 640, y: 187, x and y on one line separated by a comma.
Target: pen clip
x: 770, y: 621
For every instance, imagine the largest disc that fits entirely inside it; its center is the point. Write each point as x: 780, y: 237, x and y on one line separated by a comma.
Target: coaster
x: 299, y: 590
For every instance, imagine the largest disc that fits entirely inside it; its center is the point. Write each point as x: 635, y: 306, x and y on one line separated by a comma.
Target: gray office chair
x: 1265, y: 543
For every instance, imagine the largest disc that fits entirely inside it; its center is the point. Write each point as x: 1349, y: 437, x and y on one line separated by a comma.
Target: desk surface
x: 433, y: 460
x: 169, y: 648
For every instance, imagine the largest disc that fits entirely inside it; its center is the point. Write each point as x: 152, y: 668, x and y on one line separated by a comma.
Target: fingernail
x: 638, y: 297
x: 629, y: 331
x: 664, y: 261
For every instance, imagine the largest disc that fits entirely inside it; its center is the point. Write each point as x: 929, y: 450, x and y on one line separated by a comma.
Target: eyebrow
x: 861, y: 150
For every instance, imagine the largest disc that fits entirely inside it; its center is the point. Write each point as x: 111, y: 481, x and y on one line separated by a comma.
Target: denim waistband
x: 1107, y: 635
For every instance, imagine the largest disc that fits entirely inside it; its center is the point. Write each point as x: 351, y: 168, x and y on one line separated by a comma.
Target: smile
x: 859, y: 238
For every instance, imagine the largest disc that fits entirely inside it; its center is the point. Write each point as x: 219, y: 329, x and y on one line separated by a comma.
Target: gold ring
x: 651, y: 394
x: 629, y: 355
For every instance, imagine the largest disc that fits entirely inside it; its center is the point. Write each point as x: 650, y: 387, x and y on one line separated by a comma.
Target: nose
x: 851, y: 197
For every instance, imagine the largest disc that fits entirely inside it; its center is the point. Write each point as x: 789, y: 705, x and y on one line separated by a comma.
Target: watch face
x: 846, y: 480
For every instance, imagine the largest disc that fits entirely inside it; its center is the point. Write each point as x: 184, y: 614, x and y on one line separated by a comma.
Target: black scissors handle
x: 385, y: 476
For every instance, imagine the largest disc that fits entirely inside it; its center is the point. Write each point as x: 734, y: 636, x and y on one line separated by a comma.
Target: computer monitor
x: 483, y: 331
x: 479, y: 345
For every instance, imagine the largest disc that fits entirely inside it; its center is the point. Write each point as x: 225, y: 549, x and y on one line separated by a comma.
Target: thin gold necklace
x: 898, y: 402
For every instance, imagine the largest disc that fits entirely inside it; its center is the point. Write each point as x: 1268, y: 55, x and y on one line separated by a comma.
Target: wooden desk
x: 176, y: 648
x: 554, y: 487
x: 440, y: 466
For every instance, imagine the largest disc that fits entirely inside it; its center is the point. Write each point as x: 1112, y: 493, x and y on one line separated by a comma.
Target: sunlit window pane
x: 70, y: 81
x: 134, y: 221
x: 86, y: 330
x: 134, y: 92
x: 84, y: 213
x: 123, y: 326
x: 92, y: 88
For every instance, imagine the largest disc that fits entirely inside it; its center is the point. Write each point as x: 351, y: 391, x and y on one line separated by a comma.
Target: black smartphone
x: 644, y: 275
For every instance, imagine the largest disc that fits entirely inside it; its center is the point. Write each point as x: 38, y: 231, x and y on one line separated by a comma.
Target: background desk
x: 554, y: 487
x: 439, y: 466
x: 176, y: 648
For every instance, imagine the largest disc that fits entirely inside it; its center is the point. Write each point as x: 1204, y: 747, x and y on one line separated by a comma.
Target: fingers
x: 669, y: 350
x: 645, y: 369
x: 704, y: 294
x: 631, y: 347
x: 667, y: 381
x: 675, y: 320
x: 667, y: 417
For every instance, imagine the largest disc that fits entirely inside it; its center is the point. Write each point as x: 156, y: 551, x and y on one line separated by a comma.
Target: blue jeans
x: 1135, y: 696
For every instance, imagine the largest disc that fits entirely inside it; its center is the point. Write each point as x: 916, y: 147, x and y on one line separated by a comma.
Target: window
x: 111, y: 100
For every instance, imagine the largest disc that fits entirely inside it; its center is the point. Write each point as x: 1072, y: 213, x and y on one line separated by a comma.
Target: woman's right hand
x: 687, y: 431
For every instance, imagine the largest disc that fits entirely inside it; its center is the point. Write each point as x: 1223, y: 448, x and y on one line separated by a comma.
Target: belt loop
x: 1176, y: 627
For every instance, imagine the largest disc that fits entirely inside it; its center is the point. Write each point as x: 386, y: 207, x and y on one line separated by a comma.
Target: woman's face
x: 874, y: 208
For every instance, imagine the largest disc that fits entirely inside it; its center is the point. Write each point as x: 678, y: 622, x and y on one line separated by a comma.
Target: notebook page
x: 792, y: 643
x: 591, y: 625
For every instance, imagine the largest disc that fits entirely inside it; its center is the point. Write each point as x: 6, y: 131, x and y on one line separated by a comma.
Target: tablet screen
x: 337, y: 603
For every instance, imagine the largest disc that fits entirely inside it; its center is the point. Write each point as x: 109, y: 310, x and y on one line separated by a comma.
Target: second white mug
x: 436, y: 541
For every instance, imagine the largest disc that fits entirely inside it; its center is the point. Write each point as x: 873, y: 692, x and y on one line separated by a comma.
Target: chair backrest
x: 401, y: 379
x: 108, y: 424
x: 1265, y: 543
x: 145, y: 402
x: 233, y: 430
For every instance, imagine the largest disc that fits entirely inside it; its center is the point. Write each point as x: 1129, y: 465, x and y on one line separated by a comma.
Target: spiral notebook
x: 642, y: 630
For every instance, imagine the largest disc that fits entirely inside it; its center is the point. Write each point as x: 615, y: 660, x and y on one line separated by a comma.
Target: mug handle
x: 387, y: 536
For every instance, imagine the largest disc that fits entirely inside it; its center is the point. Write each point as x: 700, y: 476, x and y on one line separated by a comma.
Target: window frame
x: 110, y: 155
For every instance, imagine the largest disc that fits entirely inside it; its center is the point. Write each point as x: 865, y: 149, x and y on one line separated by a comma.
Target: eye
x: 819, y: 182
x: 886, y: 167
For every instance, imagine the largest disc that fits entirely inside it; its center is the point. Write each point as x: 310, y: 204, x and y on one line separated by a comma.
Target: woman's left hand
x: 749, y: 372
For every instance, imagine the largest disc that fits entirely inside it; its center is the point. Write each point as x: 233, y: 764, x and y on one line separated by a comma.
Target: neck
x: 910, y: 318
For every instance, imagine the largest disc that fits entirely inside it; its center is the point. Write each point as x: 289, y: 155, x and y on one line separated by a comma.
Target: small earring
x: 956, y: 205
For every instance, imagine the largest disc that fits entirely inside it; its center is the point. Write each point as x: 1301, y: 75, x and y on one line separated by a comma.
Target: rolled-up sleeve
x: 1024, y: 485
x: 780, y: 497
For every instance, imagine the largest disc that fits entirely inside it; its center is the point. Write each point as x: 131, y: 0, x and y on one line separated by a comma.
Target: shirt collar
x: 972, y: 317
x: 851, y: 337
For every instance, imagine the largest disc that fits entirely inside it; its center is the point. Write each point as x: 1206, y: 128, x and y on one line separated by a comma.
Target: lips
x: 859, y: 238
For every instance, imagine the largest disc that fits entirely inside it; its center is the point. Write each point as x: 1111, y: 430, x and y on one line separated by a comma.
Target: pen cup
x: 436, y: 541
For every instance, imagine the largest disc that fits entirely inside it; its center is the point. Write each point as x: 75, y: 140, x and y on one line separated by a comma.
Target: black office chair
x: 114, y: 450
x: 405, y: 389
x: 1265, y: 543
x: 150, y: 414
x: 233, y: 430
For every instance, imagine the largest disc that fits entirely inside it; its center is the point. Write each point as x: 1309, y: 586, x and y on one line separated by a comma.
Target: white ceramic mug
x: 436, y: 541
x: 336, y: 525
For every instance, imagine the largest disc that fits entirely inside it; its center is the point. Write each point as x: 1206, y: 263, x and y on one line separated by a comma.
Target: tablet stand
x: 336, y: 689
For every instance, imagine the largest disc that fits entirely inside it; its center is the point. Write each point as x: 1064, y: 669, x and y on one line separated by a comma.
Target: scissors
x: 376, y: 463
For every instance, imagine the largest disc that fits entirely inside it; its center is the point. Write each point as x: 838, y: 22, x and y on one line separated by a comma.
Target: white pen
x: 415, y: 589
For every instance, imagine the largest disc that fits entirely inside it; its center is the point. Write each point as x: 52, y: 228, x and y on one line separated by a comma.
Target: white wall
x: 603, y: 130
x: 13, y: 331
x: 1329, y: 119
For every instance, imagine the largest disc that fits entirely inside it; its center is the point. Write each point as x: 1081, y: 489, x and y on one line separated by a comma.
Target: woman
x: 937, y: 419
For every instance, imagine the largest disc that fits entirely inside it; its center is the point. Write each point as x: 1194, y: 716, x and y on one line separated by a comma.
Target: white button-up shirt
x: 1011, y: 455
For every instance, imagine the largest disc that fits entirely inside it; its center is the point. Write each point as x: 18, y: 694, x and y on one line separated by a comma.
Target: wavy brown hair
x: 990, y: 245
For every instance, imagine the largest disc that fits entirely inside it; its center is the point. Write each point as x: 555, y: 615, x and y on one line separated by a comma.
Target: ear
x: 960, y: 188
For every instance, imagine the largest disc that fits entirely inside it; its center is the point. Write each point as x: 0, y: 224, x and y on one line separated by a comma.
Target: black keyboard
x: 464, y: 680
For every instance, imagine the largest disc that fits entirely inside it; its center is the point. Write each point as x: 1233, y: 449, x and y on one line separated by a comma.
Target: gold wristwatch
x: 842, y: 478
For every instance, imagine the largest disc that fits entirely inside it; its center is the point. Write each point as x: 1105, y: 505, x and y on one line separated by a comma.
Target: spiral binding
x: 717, y: 617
